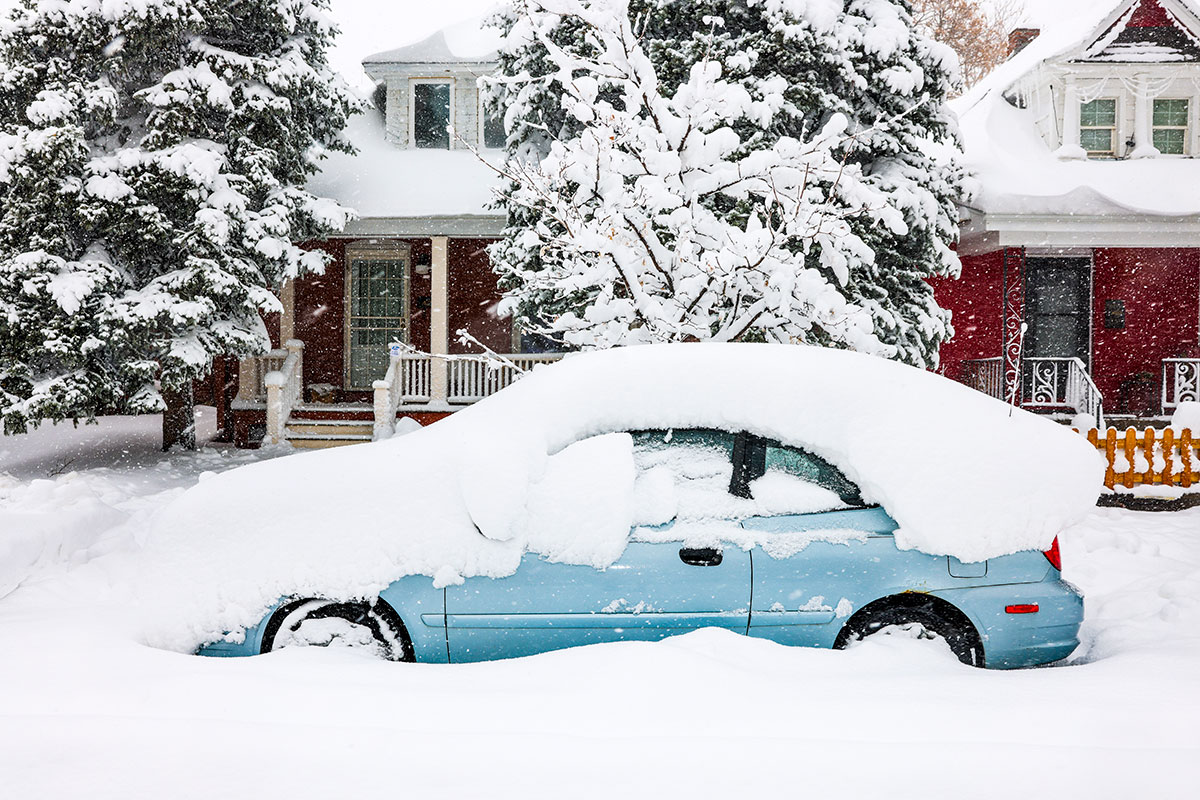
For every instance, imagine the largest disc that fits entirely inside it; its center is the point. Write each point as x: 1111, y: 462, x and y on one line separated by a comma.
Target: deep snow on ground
x: 86, y: 711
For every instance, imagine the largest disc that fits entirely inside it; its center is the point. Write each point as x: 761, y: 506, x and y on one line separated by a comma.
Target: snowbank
x: 962, y: 473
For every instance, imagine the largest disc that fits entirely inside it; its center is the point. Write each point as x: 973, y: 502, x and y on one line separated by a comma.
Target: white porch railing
x: 1180, y: 382
x: 473, y: 378
x: 252, y: 373
x: 389, y: 393
x: 985, y: 375
x: 284, y: 388
x: 410, y: 382
x: 1062, y: 383
x: 1055, y: 383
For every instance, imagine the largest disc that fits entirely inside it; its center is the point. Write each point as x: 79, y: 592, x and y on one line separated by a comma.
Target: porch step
x: 333, y: 412
x: 317, y: 441
x: 328, y: 427
x: 318, y: 434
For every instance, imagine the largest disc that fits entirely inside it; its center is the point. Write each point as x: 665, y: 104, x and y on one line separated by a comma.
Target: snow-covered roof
x: 468, y: 42
x: 1018, y: 172
x: 386, y: 181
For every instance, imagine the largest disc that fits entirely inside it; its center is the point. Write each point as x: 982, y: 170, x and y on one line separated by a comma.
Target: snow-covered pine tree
x: 153, y: 156
x: 888, y: 207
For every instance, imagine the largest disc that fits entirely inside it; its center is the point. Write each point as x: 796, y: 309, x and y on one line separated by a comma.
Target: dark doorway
x: 1057, y: 308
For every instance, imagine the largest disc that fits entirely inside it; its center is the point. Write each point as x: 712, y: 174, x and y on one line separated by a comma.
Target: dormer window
x: 1098, y: 127
x: 430, y: 113
x: 1171, y: 126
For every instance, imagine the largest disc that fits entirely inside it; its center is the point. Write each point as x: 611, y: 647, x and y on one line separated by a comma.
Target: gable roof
x: 1140, y: 31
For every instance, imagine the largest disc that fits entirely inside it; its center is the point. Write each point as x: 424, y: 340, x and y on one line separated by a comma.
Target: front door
x: 1057, y: 308
x: 377, y: 311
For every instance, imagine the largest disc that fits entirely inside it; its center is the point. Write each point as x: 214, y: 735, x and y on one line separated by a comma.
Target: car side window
x: 762, y: 458
x: 682, y: 474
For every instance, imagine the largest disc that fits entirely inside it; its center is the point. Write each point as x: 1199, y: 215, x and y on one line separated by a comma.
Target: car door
x: 817, y: 553
x: 655, y: 589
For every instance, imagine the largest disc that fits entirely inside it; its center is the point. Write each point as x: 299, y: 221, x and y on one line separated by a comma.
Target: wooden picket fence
x: 1148, y: 457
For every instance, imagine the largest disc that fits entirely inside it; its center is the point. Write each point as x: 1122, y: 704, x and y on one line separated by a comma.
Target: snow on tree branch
x: 665, y: 182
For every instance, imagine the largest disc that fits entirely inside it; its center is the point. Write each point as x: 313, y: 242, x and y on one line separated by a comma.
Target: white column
x: 287, y: 320
x: 1143, y: 136
x: 1070, y: 144
x: 439, y: 319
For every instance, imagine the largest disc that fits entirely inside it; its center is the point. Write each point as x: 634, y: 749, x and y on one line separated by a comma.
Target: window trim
x: 412, y: 110
x: 1115, y: 129
x: 1186, y: 127
x: 367, y: 249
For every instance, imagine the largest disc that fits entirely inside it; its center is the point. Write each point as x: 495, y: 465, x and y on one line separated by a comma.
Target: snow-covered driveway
x: 86, y: 711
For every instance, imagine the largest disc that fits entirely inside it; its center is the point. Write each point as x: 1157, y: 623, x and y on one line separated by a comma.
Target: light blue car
x: 823, y: 578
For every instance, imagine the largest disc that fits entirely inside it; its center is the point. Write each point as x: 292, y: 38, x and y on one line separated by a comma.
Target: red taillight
x: 1022, y: 608
x: 1053, y: 556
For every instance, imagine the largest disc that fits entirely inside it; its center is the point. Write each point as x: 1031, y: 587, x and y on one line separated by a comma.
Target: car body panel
x: 649, y: 593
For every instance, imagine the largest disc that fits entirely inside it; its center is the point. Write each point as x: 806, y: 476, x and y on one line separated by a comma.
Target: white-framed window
x: 430, y: 112
x: 1098, y: 127
x: 1170, y: 123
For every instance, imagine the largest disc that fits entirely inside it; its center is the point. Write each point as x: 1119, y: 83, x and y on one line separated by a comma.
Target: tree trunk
x: 179, y: 419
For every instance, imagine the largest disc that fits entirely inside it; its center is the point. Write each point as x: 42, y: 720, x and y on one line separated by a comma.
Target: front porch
x: 369, y: 342
x: 1062, y: 388
x: 276, y: 405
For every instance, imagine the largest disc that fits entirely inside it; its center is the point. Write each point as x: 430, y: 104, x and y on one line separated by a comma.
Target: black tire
x: 379, y: 619
x: 936, y: 616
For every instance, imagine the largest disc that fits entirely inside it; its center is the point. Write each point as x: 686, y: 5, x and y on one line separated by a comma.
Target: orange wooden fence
x: 1148, y: 457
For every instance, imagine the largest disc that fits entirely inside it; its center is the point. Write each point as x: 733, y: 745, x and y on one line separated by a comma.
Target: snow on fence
x: 1149, y: 457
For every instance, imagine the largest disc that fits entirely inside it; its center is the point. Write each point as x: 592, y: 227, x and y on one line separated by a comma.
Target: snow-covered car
x: 808, y: 496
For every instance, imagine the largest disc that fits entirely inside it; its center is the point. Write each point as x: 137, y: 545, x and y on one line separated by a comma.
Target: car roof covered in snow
x: 962, y: 473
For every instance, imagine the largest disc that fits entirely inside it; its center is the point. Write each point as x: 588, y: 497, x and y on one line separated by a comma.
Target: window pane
x: 1098, y: 113
x: 431, y: 115
x: 808, y: 467
x: 1169, y: 140
x: 1171, y: 112
x: 695, y: 463
x: 493, y: 130
x: 1096, y: 140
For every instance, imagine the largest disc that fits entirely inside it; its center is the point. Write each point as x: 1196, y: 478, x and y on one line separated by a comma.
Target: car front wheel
x: 373, y: 628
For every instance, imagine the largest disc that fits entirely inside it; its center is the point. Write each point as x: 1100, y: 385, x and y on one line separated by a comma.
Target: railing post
x: 274, y: 381
x: 383, y: 404
x: 295, y: 347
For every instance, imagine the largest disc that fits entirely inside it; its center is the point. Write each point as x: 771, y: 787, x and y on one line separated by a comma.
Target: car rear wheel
x: 374, y: 628
x: 922, y: 618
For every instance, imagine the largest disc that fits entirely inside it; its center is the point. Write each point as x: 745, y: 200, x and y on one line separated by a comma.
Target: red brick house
x: 1080, y: 285
x: 412, y: 267
x: 1085, y: 230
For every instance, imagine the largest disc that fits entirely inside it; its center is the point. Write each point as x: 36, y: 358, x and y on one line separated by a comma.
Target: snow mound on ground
x: 963, y: 475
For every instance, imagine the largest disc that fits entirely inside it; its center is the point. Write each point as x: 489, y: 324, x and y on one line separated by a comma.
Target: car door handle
x: 700, y: 556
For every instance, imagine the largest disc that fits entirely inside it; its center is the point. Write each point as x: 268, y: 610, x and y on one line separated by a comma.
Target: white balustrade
x: 1181, y: 382
x: 985, y: 375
